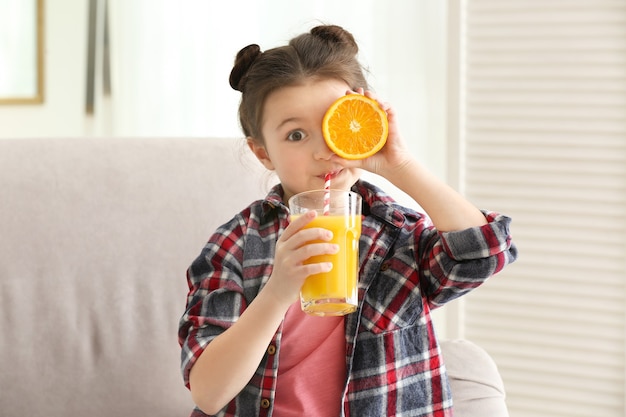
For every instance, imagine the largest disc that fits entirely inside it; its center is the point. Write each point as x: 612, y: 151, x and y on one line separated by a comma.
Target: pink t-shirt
x: 311, y: 367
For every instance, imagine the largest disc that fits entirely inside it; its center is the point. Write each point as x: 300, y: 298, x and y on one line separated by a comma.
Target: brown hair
x: 326, y: 52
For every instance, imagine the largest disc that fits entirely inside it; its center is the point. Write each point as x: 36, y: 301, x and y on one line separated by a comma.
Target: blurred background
x: 519, y: 104
x: 169, y: 63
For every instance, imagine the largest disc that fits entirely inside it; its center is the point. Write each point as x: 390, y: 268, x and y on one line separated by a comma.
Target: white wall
x: 172, y: 61
x: 64, y: 64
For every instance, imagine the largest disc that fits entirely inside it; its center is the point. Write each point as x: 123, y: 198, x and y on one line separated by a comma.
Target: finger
x: 383, y: 105
x: 315, y: 249
x: 296, y: 224
x: 307, y: 236
x: 316, y: 268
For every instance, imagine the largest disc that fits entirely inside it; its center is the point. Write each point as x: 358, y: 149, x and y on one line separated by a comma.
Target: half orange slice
x: 355, y: 127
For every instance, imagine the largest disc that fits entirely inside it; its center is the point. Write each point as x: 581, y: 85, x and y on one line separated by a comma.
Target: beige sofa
x: 95, y: 238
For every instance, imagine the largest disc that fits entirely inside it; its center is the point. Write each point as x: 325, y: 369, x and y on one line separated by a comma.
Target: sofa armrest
x: 476, y: 384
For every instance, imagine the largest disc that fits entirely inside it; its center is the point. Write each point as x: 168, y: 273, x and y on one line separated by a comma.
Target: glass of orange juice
x: 333, y: 293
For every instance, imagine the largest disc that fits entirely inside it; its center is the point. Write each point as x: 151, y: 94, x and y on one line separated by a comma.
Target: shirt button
x: 271, y: 350
x: 384, y: 266
x: 265, y: 403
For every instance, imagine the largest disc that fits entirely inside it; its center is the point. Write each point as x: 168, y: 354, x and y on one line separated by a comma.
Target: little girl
x: 247, y: 348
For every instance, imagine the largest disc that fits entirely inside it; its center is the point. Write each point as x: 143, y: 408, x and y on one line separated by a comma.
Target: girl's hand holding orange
x: 357, y: 127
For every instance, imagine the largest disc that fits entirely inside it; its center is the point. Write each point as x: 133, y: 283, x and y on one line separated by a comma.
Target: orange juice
x: 334, y: 293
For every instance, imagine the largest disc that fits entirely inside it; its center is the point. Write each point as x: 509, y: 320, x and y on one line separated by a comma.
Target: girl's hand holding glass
x: 292, y: 249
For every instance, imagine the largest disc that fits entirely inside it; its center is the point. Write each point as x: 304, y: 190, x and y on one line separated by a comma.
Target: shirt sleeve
x: 460, y: 261
x: 215, y: 299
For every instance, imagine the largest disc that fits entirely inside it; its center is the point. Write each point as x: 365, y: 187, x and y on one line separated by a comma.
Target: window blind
x: 543, y: 133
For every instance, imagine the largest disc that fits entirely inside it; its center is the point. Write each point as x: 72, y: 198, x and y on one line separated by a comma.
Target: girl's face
x: 294, y: 146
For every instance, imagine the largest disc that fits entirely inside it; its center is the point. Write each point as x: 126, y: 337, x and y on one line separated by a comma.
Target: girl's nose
x: 322, y: 151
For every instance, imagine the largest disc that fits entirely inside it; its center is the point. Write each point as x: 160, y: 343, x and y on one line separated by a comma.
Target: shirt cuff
x: 480, y: 241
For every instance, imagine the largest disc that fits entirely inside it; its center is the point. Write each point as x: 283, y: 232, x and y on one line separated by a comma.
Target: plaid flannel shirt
x: 407, y: 268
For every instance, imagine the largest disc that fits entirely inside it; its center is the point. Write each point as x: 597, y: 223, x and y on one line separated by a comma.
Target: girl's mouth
x: 333, y: 174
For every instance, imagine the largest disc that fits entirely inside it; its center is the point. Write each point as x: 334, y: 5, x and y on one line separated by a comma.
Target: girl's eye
x: 296, y: 135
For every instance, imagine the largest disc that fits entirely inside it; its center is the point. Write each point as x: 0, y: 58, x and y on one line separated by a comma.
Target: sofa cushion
x: 95, y: 239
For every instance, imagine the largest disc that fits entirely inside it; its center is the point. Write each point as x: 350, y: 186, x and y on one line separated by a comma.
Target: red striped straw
x: 327, y: 194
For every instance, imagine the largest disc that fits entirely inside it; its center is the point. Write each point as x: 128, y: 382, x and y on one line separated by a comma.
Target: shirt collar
x: 380, y: 204
x: 274, y: 200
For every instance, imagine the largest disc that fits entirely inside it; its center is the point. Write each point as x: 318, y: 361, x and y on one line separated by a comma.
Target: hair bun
x: 336, y: 35
x: 244, y: 60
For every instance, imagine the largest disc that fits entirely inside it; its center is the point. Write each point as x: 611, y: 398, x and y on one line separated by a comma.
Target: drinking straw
x: 327, y: 194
